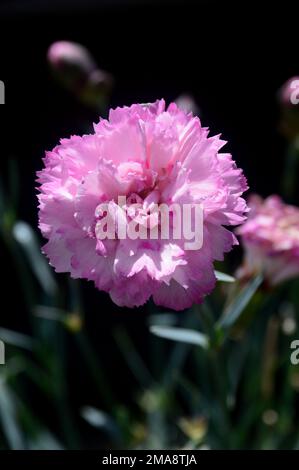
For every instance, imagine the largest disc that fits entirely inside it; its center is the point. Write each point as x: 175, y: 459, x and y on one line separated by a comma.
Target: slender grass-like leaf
x: 26, y: 237
x: 8, y: 417
x: 222, y: 277
x: 234, y: 310
x: 180, y: 350
x: 134, y: 360
x: 181, y: 334
x: 44, y: 441
x: 16, y: 339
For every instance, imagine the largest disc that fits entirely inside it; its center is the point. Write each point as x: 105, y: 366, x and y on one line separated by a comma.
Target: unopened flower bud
x: 77, y: 70
x: 71, y: 62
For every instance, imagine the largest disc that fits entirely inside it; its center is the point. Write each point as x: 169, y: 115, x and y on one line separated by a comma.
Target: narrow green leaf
x: 101, y: 420
x: 234, y: 310
x: 49, y: 313
x: 26, y: 237
x: 8, y: 417
x: 44, y: 440
x: 224, y: 277
x: 180, y: 350
x: 134, y: 360
x: 181, y: 334
x: 16, y: 339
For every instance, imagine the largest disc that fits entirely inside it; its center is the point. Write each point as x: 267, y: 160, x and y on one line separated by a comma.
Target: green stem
x: 95, y: 369
x: 216, y: 368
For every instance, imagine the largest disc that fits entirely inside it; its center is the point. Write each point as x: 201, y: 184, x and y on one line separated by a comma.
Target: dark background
x: 231, y: 56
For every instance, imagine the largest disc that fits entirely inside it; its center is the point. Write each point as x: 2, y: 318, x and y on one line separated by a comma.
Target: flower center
x: 133, y: 214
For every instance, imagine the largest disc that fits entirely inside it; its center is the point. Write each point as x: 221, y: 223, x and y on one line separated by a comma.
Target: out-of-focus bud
x: 98, y: 88
x: 70, y: 59
x: 187, y: 103
x: 73, y: 322
x: 288, y: 98
x: 77, y: 70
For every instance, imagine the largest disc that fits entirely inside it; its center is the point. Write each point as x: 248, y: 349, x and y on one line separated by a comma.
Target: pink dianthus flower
x: 148, y: 154
x: 271, y: 239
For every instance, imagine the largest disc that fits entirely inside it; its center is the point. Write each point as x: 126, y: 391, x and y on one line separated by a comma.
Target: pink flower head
x: 271, y: 239
x: 147, y: 154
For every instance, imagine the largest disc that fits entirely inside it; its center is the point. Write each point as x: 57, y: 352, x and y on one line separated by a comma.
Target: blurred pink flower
x: 78, y: 71
x: 66, y: 54
x: 147, y: 154
x: 271, y: 239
